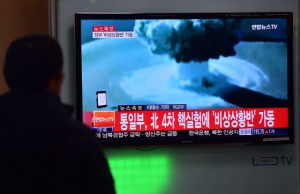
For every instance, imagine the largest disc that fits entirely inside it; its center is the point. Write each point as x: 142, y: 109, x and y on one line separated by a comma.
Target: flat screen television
x: 151, y: 79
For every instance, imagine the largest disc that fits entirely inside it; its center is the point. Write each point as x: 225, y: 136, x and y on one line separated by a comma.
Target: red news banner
x: 188, y: 119
x: 101, y: 31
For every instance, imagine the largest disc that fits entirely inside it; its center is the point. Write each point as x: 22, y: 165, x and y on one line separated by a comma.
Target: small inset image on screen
x: 101, y: 99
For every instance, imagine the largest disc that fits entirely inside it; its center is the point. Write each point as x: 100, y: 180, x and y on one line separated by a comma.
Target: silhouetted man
x: 42, y: 149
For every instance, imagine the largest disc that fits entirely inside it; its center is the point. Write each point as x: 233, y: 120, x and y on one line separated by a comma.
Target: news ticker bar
x: 104, y: 133
x: 208, y: 119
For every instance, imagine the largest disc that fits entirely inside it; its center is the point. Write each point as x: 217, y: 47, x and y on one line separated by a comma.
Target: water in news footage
x: 183, y: 62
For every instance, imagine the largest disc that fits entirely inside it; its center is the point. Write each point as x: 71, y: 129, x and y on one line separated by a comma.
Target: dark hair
x: 32, y: 61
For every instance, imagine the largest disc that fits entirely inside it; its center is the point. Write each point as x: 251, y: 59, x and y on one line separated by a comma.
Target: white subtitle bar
x: 113, y: 34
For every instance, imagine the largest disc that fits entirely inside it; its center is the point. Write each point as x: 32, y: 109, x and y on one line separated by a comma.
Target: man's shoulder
x: 4, y: 99
x: 78, y: 127
x: 80, y: 133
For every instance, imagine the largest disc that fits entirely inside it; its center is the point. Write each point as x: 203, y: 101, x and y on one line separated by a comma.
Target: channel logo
x: 103, y: 119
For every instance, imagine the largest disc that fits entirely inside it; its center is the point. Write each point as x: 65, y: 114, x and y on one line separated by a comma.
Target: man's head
x: 34, y: 63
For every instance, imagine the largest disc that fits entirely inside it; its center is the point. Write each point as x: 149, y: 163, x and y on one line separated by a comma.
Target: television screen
x: 185, y: 78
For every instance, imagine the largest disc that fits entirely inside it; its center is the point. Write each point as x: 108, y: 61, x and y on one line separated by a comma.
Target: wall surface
x: 19, y: 17
x: 185, y: 170
x: 226, y: 169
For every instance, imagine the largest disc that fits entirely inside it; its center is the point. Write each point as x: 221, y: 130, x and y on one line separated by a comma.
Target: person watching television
x: 42, y: 149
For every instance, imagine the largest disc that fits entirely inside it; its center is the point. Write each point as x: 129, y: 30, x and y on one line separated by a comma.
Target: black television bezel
x: 178, y: 141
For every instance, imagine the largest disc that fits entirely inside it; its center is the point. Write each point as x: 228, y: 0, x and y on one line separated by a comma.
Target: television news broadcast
x: 185, y: 78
